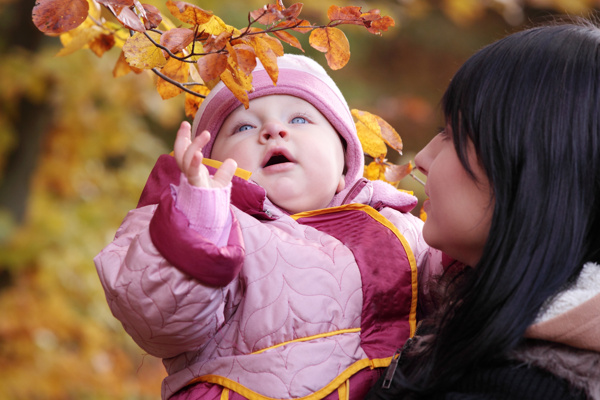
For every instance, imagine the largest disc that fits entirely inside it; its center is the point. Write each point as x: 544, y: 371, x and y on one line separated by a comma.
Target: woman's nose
x: 423, y: 158
x: 274, y: 130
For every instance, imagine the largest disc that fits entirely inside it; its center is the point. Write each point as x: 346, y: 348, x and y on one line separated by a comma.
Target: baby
x: 291, y: 276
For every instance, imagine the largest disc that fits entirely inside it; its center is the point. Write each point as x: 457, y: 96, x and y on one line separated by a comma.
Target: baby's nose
x: 274, y: 130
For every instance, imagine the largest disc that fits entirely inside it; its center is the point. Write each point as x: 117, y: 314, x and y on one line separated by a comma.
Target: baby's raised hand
x: 188, y: 155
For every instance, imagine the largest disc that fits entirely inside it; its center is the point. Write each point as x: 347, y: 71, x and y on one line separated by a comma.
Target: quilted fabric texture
x: 295, y: 306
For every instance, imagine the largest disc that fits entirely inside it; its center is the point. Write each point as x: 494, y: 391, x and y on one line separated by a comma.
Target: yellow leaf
x: 422, y: 214
x: 78, y: 39
x: 381, y: 128
x: 216, y: 26
x: 369, y: 134
x: 334, y: 43
x: 239, y: 84
x: 188, y: 13
x: 176, y: 70
x: 374, y: 171
x: 289, y: 39
x: 192, y: 103
x: 140, y: 52
x: 267, y: 51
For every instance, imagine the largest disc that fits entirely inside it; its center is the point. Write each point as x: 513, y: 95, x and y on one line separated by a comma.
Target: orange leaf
x: 246, y: 57
x: 188, y: 13
x: 267, y: 15
x: 333, y: 43
x: 263, y: 47
x: 102, y: 44
x: 53, y: 17
x: 211, y: 66
x: 389, y: 135
x: 346, y: 14
x: 176, y: 70
x: 123, y: 68
x: 395, y: 173
x: 238, y: 85
x: 192, y: 103
x: 140, y: 52
x: 177, y: 39
x: 216, y: 43
x: 292, y: 11
x: 289, y: 39
x: 381, y: 24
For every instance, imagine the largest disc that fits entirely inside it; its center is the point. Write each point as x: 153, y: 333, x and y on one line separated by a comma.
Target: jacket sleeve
x: 170, y: 302
x: 430, y: 261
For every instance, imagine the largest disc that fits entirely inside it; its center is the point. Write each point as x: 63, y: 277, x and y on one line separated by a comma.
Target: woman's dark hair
x: 530, y: 103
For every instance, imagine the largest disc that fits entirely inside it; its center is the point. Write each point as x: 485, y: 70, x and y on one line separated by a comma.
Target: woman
x: 514, y: 196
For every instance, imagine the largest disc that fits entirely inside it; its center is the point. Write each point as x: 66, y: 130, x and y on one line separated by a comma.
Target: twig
x: 178, y: 84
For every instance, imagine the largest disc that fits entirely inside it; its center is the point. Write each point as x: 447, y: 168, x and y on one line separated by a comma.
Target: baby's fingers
x: 224, y: 174
x: 182, y: 142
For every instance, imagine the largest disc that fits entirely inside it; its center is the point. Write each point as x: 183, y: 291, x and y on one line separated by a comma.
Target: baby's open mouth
x: 276, y: 159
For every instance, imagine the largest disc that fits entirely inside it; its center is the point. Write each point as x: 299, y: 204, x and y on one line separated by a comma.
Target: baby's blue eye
x: 299, y: 120
x: 244, y: 128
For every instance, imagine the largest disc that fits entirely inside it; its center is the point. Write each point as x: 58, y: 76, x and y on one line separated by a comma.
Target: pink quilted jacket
x: 307, y: 306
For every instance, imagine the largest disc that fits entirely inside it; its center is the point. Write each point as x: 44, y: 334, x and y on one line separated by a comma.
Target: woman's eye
x: 244, y: 128
x: 299, y: 120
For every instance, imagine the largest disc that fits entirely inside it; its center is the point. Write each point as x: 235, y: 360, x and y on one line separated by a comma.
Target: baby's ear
x: 341, y: 184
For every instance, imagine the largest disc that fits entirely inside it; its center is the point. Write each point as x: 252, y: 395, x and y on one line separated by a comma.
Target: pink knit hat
x: 301, y: 77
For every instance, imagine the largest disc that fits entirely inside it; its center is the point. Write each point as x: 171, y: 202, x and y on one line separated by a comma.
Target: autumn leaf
x: 380, y: 128
x: 121, y: 9
x: 349, y: 14
x: 153, y: 17
x: 188, y: 13
x: 216, y: 26
x: 140, y: 52
x: 267, y: 50
x: 298, y: 25
x: 246, y: 57
x: 59, y: 16
x: 239, y: 85
x: 395, y: 173
x: 101, y: 44
x: 379, y: 24
x: 122, y: 68
x: 177, y: 39
x: 192, y: 103
x: 211, y: 66
x: 374, y: 171
x: 289, y: 39
x: 370, y: 138
x: 267, y: 15
x: 175, y: 70
x: 333, y: 43
x: 422, y: 214
x: 293, y: 11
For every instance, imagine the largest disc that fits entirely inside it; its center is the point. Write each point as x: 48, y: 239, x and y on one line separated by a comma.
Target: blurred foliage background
x: 76, y: 146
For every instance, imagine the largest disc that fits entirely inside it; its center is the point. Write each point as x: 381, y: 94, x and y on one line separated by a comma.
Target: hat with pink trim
x: 299, y: 76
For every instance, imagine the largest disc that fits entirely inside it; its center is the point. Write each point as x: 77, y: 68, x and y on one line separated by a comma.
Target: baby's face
x: 291, y: 149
